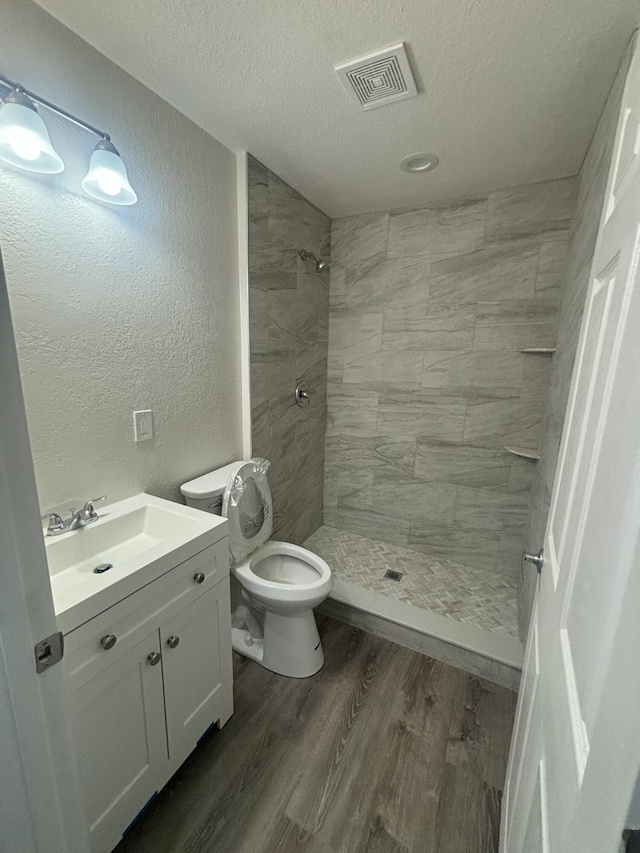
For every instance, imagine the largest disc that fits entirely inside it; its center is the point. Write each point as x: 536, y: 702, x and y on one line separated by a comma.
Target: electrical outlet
x: 143, y: 425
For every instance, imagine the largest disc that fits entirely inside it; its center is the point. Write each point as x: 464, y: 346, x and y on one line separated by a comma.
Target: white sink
x: 141, y: 538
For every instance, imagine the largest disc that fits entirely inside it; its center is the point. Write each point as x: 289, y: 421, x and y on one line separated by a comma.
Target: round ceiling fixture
x: 418, y: 163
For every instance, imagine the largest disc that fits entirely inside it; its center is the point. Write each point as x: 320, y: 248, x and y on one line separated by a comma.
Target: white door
x: 118, y: 728
x: 575, y: 753
x: 39, y: 788
x: 195, y: 660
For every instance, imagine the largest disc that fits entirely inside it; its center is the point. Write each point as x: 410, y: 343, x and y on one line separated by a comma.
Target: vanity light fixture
x: 107, y: 178
x: 24, y: 139
x: 25, y: 143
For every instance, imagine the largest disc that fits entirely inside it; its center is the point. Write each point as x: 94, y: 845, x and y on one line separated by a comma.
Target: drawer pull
x: 173, y: 641
x: 154, y: 658
x: 108, y: 641
x: 199, y: 577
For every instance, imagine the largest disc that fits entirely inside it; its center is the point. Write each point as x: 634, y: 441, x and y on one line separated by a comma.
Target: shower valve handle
x: 302, y: 395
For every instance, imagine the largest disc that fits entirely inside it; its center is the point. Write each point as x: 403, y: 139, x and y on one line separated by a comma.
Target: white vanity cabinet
x: 139, y: 703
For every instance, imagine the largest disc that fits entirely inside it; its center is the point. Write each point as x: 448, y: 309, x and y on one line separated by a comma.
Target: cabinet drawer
x: 131, y: 618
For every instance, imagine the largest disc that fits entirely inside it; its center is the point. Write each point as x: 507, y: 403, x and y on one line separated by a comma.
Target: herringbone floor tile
x: 475, y: 596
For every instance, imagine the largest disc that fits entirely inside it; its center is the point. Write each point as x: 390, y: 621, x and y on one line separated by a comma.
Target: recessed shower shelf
x: 538, y: 350
x: 523, y: 454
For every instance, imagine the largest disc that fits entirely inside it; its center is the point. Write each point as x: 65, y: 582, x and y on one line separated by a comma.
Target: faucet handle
x: 55, y: 522
x: 88, y: 507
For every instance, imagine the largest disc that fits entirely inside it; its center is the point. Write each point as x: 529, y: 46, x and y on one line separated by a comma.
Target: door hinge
x: 49, y: 651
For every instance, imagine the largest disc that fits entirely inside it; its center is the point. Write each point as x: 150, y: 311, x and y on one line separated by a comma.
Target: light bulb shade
x: 24, y: 140
x: 107, y: 178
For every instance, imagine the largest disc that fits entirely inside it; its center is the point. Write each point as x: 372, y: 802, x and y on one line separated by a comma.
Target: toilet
x: 278, y: 584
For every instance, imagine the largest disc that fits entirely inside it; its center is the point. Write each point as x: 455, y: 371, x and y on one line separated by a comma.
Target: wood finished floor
x: 384, y: 751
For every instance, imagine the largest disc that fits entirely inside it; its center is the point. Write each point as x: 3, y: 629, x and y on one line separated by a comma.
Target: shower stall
x: 426, y: 350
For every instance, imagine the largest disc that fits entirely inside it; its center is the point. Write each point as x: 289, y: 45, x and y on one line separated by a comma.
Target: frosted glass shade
x: 107, y: 178
x: 24, y: 140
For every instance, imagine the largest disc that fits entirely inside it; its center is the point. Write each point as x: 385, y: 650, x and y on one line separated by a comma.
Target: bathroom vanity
x: 147, y: 649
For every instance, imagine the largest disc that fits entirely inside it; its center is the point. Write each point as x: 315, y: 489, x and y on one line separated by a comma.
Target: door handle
x: 536, y: 559
x: 154, y: 658
x: 173, y: 641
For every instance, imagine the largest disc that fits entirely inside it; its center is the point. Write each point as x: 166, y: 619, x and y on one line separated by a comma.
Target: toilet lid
x: 247, y: 506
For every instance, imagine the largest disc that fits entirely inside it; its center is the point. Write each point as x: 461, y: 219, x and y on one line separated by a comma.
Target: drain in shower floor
x: 392, y: 575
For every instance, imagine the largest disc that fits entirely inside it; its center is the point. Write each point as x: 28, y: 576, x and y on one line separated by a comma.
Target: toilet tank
x: 206, y: 492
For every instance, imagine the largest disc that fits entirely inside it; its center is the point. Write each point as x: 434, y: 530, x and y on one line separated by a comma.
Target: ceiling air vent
x: 379, y: 78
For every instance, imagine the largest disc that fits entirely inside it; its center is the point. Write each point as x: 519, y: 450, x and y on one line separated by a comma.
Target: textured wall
x: 428, y: 310
x: 117, y: 309
x: 582, y: 242
x: 288, y: 311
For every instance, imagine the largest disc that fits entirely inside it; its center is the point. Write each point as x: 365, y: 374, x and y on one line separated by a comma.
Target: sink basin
x: 139, y: 538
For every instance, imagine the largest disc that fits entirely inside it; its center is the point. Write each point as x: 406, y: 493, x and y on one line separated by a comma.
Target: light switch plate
x: 143, y: 425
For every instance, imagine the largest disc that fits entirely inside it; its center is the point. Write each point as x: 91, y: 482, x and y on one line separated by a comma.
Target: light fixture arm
x: 16, y: 87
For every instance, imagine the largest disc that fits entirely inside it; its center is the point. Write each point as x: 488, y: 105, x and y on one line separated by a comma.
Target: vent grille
x: 379, y: 78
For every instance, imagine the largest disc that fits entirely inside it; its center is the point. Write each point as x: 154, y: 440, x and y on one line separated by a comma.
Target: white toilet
x: 280, y: 583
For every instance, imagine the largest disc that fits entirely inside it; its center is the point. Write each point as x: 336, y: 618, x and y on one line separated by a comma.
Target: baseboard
x: 486, y: 654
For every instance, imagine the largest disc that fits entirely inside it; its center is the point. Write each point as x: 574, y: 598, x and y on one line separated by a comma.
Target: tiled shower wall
x: 429, y: 308
x: 288, y: 315
x: 592, y: 186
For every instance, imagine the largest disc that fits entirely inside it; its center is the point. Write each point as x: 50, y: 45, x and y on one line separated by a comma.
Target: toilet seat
x: 283, y: 572
x: 247, y: 506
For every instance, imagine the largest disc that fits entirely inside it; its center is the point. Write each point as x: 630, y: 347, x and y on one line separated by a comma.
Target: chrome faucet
x: 77, y: 519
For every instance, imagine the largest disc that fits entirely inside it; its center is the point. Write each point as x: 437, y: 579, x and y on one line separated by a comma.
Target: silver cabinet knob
x: 154, y: 658
x: 108, y: 641
x: 173, y: 641
x: 199, y: 577
x: 536, y: 559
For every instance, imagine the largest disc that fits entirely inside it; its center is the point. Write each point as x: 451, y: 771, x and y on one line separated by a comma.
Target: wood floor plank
x: 341, y: 775
x: 481, y: 729
x: 384, y: 751
x: 288, y: 837
x: 408, y: 792
x: 303, y: 709
x: 468, y: 814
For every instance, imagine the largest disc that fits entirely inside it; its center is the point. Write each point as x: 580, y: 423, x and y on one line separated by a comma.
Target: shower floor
x: 476, y: 597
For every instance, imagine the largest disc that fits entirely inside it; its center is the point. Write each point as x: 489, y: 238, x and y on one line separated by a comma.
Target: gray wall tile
x: 288, y: 321
x: 531, y: 211
x: 494, y: 423
x: 514, y: 324
x: 438, y: 327
x: 415, y: 414
x: 488, y: 275
x: 455, y: 228
x: 464, y: 545
x: 428, y: 310
x: 466, y: 372
x: 391, y: 369
x: 357, y: 238
x: 481, y: 467
x: 487, y: 509
x: 351, y: 515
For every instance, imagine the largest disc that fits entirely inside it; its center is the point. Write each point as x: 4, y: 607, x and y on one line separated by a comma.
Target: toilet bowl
x: 279, y: 583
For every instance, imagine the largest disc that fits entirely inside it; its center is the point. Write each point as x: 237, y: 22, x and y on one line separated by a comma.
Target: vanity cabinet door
x: 196, y: 661
x: 118, y: 729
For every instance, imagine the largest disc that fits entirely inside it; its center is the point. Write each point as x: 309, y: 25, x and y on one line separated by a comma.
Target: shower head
x: 321, y: 266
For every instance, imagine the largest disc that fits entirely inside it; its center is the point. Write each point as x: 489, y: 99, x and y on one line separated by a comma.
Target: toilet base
x: 291, y: 645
